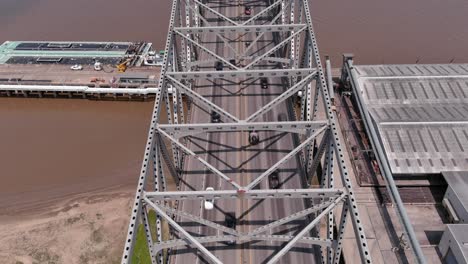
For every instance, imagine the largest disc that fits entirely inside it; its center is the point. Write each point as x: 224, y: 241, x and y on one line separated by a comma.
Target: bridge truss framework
x: 319, y: 143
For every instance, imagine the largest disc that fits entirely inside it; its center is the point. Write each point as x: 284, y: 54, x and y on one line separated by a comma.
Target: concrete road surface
x: 232, y: 154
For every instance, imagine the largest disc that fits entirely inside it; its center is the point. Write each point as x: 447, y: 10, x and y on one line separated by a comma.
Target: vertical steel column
x: 158, y: 186
x: 385, y: 169
x: 331, y: 116
x: 137, y: 204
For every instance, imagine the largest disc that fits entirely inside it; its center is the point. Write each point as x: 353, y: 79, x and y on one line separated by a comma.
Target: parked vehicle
x: 76, y: 67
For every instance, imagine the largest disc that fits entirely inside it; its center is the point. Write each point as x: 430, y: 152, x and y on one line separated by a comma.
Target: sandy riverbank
x: 85, y: 228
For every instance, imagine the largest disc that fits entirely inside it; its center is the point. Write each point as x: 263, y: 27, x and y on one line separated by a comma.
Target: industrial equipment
x: 97, y: 66
x: 122, y: 67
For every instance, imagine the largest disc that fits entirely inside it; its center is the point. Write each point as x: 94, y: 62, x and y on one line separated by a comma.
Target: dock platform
x: 45, y: 69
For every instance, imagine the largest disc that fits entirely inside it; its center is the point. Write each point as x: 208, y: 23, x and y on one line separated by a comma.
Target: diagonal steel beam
x: 165, y: 155
x: 275, y: 48
x: 289, y: 218
x: 331, y: 115
x: 207, y: 50
x: 216, y: 13
x: 181, y: 230
x: 341, y: 227
x: 201, y: 160
x: 149, y: 239
x: 304, y: 231
x: 288, y: 93
x: 202, y: 100
x: 273, y: 21
x: 137, y: 204
x: 259, y: 14
x: 209, y: 25
x: 284, y: 159
x: 199, y: 220
x: 318, y: 156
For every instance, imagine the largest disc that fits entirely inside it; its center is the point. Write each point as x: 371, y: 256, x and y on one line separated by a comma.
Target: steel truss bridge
x: 300, y: 219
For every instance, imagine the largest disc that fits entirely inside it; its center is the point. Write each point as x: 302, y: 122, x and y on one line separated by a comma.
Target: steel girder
x: 240, y: 29
x: 300, y: 127
x: 254, y: 73
x: 349, y: 71
x: 185, y: 33
x: 246, y: 194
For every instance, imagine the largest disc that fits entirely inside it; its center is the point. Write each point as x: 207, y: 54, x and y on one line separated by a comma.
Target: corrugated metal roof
x: 421, y: 113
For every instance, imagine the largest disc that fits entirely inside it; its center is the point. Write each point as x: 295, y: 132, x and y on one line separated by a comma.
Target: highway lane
x: 211, y: 145
x: 240, y: 99
x: 263, y: 157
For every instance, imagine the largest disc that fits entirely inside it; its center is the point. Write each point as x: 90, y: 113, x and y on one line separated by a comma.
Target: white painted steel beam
x: 136, y: 206
x: 331, y: 115
x: 291, y: 154
x: 263, y: 12
x: 201, y: 160
x: 202, y: 100
x: 223, y: 17
x: 251, y: 73
x: 208, y: 51
x: 184, y: 130
x: 289, y: 218
x: 304, y: 231
x: 279, y: 99
x: 275, y: 48
x: 200, y: 220
x: 186, y: 234
x: 240, y: 29
x: 246, y: 194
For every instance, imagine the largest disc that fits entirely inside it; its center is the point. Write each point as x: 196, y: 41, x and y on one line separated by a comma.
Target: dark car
x: 264, y: 83
x: 219, y: 66
x: 254, y: 139
x: 273, y: 180
x: 248, y: 10
x: 232, y: 61
x: 230, y: 222
x: 215, y: 117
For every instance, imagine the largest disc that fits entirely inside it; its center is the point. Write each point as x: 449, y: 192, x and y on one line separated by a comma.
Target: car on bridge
x: 219, y: 66
x: 273, y: 180
x: 209, y: 203
x: 230, y: 222
x: 264, y: 83
x: 254, y: 139
x: 248, y: 10
x: 215, y: 117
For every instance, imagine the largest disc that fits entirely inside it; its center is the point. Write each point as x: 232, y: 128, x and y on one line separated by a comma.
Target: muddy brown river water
x: 52, y: 148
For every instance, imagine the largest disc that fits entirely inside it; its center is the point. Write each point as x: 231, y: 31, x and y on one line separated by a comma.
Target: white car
x: 209, y: 203
x: 76, y: 67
